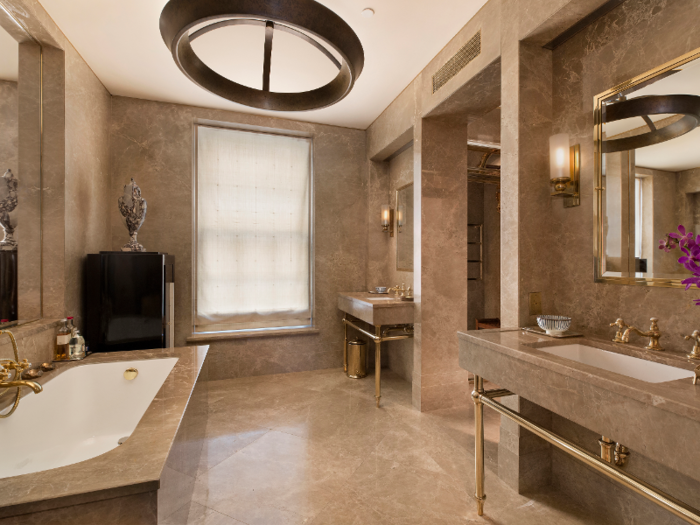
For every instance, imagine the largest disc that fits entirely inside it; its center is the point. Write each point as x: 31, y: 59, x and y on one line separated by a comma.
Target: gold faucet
x: 400, y: 290
x: 654, y: 334
x: 15, y: 368
x: 621, y: 325
x: 695, y: 336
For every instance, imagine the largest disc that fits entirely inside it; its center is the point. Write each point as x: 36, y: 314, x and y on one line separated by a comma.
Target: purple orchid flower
x: 689, y: 244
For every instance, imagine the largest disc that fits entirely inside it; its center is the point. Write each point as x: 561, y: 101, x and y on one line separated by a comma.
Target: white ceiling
x: 9, y: 56
x: 120, y: 40
x: 682, y: 153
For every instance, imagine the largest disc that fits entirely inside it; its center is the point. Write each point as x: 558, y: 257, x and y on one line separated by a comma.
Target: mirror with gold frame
x: 647, y: 173
x: 404, y: 228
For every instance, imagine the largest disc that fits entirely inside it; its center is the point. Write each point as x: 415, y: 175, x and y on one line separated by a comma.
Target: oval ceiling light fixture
x: 306, y: 19
x: 368, y: 13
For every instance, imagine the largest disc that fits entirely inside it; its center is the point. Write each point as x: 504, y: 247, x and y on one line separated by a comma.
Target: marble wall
x: 75, y: 163
x: 153, y: 143
x: 614, y: 49
x: 399, y: 353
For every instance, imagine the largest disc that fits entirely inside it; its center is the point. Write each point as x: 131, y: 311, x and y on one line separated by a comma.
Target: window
x: 253, y: 222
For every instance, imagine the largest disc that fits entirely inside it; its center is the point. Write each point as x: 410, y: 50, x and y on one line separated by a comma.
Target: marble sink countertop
x: 132, y: 468
x: 376, y: 309
x: 679, y: 396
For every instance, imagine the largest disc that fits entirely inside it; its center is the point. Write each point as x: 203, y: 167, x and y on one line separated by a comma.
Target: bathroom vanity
x: 390, y: 317
x: 644, y: 400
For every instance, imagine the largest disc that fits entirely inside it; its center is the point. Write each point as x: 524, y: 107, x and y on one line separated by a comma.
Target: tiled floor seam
x: 236, y: 452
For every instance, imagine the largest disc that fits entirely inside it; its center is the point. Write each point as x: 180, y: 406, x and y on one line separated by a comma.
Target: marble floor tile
x: 311, y: 448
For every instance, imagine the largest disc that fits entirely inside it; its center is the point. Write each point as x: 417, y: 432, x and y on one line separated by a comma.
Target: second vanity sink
x: 626, y: 365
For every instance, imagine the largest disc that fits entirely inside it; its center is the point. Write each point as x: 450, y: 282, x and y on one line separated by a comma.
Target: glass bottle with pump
x: 62, y: 340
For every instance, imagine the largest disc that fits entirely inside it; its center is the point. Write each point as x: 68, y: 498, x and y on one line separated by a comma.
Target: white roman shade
x: 253, y: 220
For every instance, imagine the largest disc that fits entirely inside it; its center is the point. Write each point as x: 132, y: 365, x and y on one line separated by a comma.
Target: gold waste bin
x: 357, y: 359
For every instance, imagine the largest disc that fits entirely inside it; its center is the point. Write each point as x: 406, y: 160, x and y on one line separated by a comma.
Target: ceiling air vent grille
x: 457, y: 63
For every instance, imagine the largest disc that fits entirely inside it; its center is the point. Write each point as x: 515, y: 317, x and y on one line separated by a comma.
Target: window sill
x: 223, y: 336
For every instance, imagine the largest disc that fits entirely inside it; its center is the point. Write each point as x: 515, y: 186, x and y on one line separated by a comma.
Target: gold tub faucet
x: 654, y: 334
x: 5, y: 374
x: 14, y: 367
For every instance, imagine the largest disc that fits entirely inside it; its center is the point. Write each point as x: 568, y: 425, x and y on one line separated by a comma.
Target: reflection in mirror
x: 648, y: 173
x: 9, y: 169
x: 404, y: 228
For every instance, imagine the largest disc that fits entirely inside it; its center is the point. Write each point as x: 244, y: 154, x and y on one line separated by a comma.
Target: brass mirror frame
x: 598, y: 241
x: 397, y: 228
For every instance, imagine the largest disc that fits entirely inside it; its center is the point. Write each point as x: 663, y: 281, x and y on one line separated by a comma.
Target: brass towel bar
x: 482, y: 397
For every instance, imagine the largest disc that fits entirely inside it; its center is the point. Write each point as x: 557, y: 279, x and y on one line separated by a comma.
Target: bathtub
x: 81, y: 414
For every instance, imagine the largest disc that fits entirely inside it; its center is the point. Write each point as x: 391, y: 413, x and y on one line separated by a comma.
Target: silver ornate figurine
x: 133, y: 209
x: 8, y: 202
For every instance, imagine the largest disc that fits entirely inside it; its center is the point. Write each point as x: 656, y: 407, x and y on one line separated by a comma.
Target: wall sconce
x: 565, y: 169
x: 388, y: 219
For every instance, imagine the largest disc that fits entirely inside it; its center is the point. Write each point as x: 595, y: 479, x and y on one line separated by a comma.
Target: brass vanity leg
x: 378, y: 365
x: 345, y: 345
x: 479, y: 495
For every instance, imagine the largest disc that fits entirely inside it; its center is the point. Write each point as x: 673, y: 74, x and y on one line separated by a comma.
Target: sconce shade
x: 386, y: 215
x: 559, y: 159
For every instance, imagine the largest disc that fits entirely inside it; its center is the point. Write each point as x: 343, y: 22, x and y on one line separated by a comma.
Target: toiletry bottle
x: 76, y: 346
x: 62, y: 340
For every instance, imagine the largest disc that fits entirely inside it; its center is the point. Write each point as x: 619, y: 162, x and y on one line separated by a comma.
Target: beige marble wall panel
x: 394, y: 124
x: 75, y: 165
x: 153, y: 142
x: 87, y: 187
x: 443, y: 274
x: 54, y: 183
x: 510, y: 204
x: 400, y: 353
x: 614, y: 49
x: 9, y: 126
x: 35, y: 342
x: 29, y: 193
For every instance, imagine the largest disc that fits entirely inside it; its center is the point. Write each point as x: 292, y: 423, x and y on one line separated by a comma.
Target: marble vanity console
x: 376, y: 309
x: 661, y: 421
x: 143, y: 481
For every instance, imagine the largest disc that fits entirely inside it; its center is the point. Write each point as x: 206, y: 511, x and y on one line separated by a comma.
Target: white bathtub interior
x: 81, y: 414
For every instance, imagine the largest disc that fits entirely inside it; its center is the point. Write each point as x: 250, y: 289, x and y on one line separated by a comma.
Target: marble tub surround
x: 376, y: 309
x: 155, y: 456
x: 655, y: 421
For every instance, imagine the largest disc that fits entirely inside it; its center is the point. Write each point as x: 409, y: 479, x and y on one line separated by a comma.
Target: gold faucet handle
x: 4, y: 374
x: 654, y: 327
x: 695, y: 337
x: 23, y: 365
x: 621, y: 327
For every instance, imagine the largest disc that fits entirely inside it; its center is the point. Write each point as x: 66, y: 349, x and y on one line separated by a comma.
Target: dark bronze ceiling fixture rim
x: 306, y: 19
x: 686, y: 105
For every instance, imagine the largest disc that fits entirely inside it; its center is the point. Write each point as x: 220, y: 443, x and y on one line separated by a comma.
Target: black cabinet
x: 127, y: 299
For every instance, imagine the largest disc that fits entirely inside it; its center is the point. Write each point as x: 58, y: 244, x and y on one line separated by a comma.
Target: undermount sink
x: 626, y: 365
